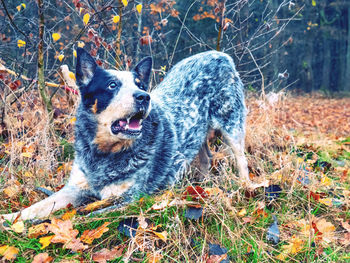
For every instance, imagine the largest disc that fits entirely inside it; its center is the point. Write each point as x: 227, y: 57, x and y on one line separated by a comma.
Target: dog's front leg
x: 67, y: 195
x: 72, y: 193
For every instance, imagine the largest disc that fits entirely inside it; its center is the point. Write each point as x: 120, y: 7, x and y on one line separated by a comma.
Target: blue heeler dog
x: 129, y: 141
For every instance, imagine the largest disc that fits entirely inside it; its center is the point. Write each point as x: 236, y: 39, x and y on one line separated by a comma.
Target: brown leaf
x: 42, y: 258
x: 65, y: 234
x: 105, y: 254
x: 90, y: 235
x: 216, y: 258
x: 154, y: 257
x: 13, y: 190
x: 9, y: 253
x: 38, y: 230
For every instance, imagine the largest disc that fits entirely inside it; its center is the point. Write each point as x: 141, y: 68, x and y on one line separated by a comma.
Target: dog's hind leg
x: 205, y: 159
x: 236, y: 144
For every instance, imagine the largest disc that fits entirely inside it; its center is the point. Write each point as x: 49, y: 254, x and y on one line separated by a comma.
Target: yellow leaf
x: 242, y: 213
x: 74, y: 53
x: 139, y: 8
x: 21, y: 43
x: 69, y: 215
x: 81, y: 44
x: 162, y: 235
x: 60, y: 57
x: 326, y: 201
x: 313, y: 2
x: 73, y: 120
x: 9, y: 253
x: 45, y: 241
x: 326, y: 181
x: 18, y: 8
x: 18, y: 227
x: 125, y: 2
x: 116, y: 19
x: 71, y: 75
x: 295, y: 245
x: 28, y: 174
x: 23, y: 5
x: 56, y: 36
x: 27, y: 154
x: 86, y: 18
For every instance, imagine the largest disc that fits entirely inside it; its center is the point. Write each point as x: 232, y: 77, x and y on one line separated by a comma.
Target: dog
x: 129, y: 141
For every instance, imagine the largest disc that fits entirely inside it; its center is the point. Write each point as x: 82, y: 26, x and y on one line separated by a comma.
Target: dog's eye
x: 112, y: 85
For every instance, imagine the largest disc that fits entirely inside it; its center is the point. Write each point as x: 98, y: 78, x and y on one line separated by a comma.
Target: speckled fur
x: 200, y: 93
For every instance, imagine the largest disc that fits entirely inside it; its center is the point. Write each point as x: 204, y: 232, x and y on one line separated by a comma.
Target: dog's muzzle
x: 132, y: 125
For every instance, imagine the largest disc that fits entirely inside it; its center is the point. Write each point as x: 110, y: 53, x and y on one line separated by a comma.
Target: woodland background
x: 302, y: 44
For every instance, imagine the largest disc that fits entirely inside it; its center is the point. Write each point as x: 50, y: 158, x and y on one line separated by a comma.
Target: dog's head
x: 118, y: 99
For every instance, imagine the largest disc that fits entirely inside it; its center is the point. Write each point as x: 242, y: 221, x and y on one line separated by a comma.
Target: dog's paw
x: 8, y: 217
x: 251, y: 186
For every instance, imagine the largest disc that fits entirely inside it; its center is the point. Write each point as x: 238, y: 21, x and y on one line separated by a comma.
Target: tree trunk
x: 118, y: 51
x: 139, y: 32
x: 347, y: 72
x: 41, y: 73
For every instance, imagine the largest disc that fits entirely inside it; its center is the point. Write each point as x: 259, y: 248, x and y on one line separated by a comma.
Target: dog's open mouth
x: 130, y: 126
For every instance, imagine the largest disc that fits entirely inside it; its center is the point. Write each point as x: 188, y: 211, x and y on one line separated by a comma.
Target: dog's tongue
x: 134, y: 124
x: 122, y: 123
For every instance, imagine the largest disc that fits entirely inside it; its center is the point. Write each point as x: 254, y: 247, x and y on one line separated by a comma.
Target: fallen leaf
x: 327, y: 229
x: 326, y: 201
x: 105, y: 254
x: 8, y: 252
x: 65, y: 234
x: 154, y: 257
x: 195, y: 193
x: 89, y: 236
x: 162, y: 235
x: 69, y: 214
x: 242, y: 213
x: 18, y: 227
x: 42, y: 258
x: 38, y: 230
x: 45, y: 241
x: 295, y: 245
x: 13, y: 190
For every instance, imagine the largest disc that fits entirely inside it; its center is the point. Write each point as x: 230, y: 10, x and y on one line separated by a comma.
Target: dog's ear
x: 85, y: 68
x: 143, y: 69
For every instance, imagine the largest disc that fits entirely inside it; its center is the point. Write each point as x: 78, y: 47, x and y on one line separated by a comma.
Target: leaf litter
x: 300, y: 168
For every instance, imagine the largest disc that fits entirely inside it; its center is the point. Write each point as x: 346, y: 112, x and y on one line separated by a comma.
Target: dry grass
x: 234, y: 218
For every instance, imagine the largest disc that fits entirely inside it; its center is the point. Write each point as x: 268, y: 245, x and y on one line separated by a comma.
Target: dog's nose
x: 141, y: 97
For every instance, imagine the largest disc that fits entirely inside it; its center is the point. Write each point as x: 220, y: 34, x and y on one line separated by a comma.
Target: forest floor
x: 301, y: 144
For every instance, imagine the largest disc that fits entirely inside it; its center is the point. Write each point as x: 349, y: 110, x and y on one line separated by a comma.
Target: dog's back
x: 201, y: 92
